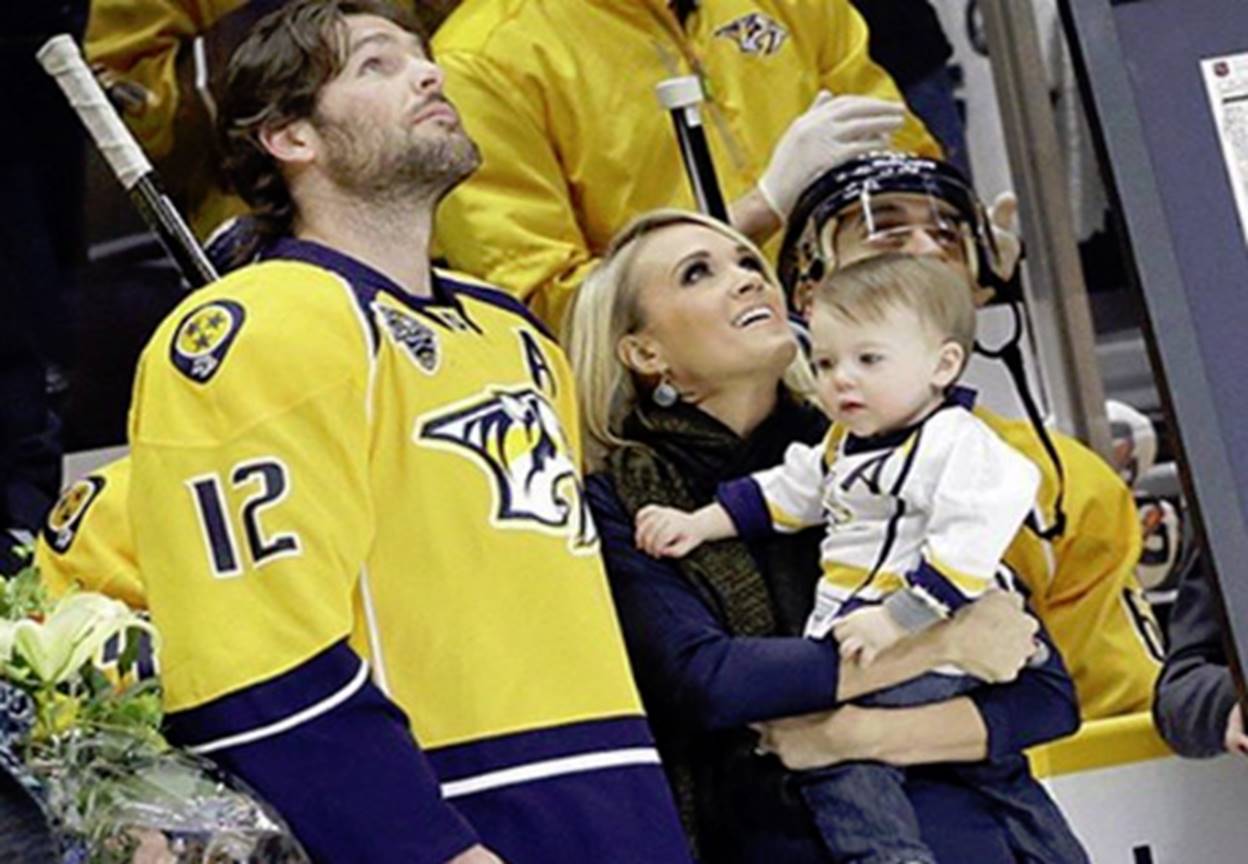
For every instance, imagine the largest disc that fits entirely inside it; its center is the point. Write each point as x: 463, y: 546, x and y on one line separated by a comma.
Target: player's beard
x: 377, y: 163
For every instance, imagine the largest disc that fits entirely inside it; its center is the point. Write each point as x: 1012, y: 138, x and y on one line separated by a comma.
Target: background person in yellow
x: 560, y: 96
x: 164, y: 63
x: 86, y: 541
x: 1081, y: 579
x: 356, y: 504
x: 150, y: 54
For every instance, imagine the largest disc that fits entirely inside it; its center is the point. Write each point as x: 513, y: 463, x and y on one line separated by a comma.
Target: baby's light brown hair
x: 865, y: 292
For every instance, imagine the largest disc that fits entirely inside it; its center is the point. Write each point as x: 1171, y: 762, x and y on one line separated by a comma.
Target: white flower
x: 78, y: 627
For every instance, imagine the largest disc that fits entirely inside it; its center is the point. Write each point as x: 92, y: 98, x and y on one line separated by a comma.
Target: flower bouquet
x: 80, y: 728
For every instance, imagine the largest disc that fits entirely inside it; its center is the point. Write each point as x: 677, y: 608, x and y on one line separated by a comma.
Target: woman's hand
x: 991, y: 638
x: 820, y: 740
x: 153, y: 847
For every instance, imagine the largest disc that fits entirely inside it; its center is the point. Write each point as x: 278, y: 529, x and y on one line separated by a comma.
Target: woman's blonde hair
x: 606, y: 309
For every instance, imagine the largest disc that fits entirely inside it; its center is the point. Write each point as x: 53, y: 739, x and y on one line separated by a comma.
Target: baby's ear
x: 948, y: 365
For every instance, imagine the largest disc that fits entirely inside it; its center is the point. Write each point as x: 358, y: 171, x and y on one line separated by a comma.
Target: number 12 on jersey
x: 269, y: 482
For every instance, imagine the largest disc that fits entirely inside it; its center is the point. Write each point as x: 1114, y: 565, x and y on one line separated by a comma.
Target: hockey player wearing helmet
x: 891, y: 202
x: 1078, y: 557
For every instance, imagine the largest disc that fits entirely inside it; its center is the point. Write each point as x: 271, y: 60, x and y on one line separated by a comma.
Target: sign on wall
x: 1226, y: 82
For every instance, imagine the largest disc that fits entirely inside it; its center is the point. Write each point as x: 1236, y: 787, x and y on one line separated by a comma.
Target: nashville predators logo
x: 203, y: 338
x: 63, y: 522
x: 516, y: 437
x: 754, y: 34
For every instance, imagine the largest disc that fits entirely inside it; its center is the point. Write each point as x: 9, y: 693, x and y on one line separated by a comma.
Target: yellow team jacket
x: 1083, y: 586
x: 139, y: 40
x: 559, y: 94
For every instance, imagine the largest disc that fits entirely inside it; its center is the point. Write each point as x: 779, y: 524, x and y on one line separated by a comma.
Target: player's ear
x: 294, y: 142
x: 948, y: 365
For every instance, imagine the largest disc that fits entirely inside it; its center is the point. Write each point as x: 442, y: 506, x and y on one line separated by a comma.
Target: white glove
x: 833, y: 130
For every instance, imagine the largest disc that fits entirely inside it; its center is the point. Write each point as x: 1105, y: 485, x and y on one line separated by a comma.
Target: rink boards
x: 1132, y: 801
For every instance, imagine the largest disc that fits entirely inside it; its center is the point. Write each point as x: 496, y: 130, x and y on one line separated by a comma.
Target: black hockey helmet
x: 808, y: 251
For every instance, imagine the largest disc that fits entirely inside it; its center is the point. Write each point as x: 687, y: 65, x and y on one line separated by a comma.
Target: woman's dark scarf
x: 676, y: 457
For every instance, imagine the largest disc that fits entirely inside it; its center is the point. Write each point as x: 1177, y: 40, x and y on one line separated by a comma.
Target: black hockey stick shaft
x: 681, y: 97
x: 61, y: 58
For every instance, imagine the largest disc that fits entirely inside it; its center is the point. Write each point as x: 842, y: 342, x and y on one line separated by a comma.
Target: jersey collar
x: 357, y: 272
x: 957, y: 397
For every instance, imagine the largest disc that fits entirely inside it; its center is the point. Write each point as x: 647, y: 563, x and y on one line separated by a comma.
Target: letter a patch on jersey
x: 516, y: 437
x: 204, y: 337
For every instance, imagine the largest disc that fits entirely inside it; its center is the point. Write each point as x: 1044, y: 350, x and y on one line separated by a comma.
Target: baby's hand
x: 864, y: 633
x: 666, y: 532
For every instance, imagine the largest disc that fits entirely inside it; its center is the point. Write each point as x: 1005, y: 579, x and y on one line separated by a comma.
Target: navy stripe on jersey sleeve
x: 746, y: 506
x: 622, y: 815
x: 466, y: 762
x: 937, y: 585
x: 336, y: 758
x: 687, y: 663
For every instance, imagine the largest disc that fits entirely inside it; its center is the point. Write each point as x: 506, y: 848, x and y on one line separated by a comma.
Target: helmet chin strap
x: 1011, y: 354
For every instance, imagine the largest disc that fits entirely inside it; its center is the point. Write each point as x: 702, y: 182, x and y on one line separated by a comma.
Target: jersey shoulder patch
x: 66, y: 517
x: 203, y: 337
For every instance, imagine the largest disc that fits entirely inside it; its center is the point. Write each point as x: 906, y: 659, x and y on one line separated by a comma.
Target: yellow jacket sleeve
x: 139, y: 41
x: 1083, y: 585
x: 1095, y: 608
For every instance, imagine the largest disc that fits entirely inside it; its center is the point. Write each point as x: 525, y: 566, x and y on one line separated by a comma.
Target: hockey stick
x: 681, y: 97
x: 61, y: 59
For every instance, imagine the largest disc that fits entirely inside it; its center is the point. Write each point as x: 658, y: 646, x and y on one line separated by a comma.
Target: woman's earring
x: 665, y: 395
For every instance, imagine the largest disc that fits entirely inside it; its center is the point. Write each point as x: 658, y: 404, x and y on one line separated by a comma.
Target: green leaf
x: 24, y: 595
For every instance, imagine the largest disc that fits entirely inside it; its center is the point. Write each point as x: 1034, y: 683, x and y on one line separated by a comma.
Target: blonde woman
x: 681, y: 347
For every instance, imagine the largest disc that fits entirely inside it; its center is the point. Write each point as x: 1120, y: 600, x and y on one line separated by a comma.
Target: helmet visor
x: 908, y: 222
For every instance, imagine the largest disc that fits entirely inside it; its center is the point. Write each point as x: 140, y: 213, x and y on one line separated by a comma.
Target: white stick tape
x: 61, y: 59
x: 679, y: 92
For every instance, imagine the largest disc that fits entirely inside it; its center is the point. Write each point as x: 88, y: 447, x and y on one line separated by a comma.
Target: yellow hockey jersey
x: 1083, y: 584
x: 319, y: 457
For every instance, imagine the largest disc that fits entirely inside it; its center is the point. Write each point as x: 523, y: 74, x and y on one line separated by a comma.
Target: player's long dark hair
x: 274, y: 78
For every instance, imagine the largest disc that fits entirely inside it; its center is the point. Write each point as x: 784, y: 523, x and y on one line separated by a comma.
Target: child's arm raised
x: 665, y: 532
